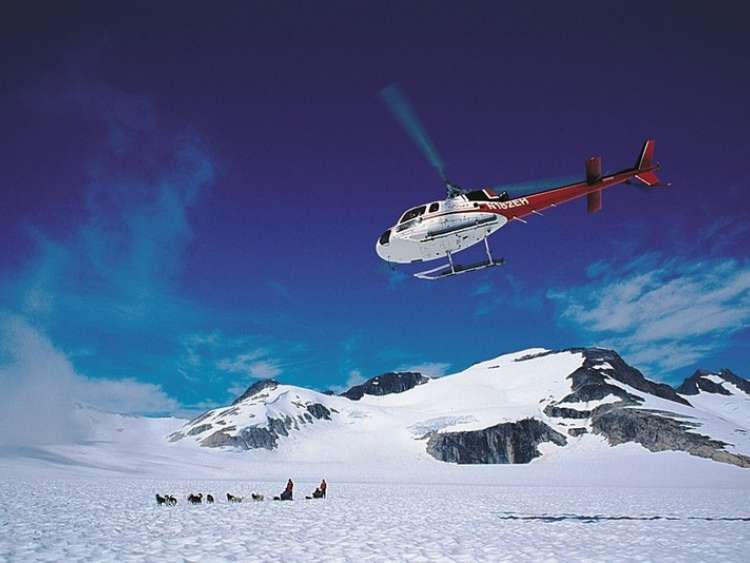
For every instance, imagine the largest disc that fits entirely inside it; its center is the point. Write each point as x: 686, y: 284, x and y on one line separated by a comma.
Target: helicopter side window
x: 412, y: 213
x: 477, y: 195
x: 434, y: 207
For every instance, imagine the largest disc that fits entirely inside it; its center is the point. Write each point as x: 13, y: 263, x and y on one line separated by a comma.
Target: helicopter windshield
x: 416, y: 212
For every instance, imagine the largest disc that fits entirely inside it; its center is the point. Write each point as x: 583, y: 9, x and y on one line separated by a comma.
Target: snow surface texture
x: 389, y: 500
x: 118, y: 520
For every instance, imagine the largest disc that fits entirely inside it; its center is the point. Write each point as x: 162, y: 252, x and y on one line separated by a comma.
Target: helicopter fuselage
x: 441, y: 227
x: 437, y: 229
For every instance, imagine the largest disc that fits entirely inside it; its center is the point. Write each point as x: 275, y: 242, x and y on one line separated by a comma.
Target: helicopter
x: 440, y: 229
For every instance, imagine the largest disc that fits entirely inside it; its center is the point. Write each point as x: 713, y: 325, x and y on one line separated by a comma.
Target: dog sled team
x: 286, y: 494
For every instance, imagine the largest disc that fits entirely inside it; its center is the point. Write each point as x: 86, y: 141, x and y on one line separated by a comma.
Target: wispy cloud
x: 253, y: 364
x: 355, y: 377
x: 430, y: 369
x: 41, y: 389
x: 663, y: 317
x: 724, y: 234
x: 117, y: 273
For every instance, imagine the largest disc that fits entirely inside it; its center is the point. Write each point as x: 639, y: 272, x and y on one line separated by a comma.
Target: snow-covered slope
x: 500, y: 390
x: 722, y: 393
x: 511, y: 409
x: 579, y: 416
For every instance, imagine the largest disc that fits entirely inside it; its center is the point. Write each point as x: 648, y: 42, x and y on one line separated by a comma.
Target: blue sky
x: 191, y: 200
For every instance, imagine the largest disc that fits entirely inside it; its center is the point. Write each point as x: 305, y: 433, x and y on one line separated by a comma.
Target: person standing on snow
x: 323, y: 487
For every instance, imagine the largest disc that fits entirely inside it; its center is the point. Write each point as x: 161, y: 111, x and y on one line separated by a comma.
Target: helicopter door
x: 432, y: 248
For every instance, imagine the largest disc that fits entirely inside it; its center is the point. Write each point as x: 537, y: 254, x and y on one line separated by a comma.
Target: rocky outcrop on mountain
x: 703, y: 380
x: 267, y: 437
x: 290, y: 412
x: 588, y: 381
x: 622, y: 420
x: 394, y: 382
x: 658, y: 432
x: 510, y: 442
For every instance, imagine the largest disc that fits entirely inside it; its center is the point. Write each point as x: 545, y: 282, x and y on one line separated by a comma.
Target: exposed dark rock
x: 249, y: 438
x: 396, y: 382
x: 229, y: 412
x: 200, y: 417
x: 319, y: 411
x: 198, y: 429
x: 596, y: 392
x: 621, y: 372
x: 659, y: 433
x: 577, y: 431
x: 175, y: 436
x: 510, y: 442
x: 698, y: 382
x: 253, y: 437
x: 564, y: 412
x: 256, y: 388
x: 532, y: 356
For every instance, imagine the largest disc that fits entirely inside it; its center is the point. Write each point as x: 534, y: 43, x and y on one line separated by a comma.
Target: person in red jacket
x: 323, y: 487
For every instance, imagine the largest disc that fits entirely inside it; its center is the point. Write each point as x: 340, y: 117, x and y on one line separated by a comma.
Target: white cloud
x: 430, y: 369
x: 264, y: 369
x: 124, y: 396
x: 355, y: 378
x: 253, y: 363
x: 665, y: 318
x: 41, y: 389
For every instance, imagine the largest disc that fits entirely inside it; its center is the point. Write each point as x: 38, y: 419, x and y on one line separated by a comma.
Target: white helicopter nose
x: 381, y: 246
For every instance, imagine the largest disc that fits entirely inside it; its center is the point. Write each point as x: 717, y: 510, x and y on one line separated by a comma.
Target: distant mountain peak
x: 256, y: 388
x: 385, y: 384
x: 625, y: 373
x: 713, y: 382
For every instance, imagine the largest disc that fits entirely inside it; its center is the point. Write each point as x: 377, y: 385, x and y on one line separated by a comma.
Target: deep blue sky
x: 190, y: 196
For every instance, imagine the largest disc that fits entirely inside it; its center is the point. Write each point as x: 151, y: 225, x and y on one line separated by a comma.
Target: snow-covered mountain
x: 511, y: 409
x: 723, y: 393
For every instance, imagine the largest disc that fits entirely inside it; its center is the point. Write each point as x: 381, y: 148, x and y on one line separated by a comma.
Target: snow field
x: 118, y: 520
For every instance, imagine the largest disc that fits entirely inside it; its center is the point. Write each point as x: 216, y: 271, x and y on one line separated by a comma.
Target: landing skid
x: 451, y: 269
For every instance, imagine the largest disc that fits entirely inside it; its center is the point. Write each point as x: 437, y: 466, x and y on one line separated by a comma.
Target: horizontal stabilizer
x: 649, y: 179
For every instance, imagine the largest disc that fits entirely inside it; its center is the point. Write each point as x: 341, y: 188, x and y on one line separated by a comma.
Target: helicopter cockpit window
x: 412, y: 213
x: 434, y: 207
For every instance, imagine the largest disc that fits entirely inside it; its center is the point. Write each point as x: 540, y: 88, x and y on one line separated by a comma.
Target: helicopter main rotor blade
x: 403, y: 111
x: 517, y: 189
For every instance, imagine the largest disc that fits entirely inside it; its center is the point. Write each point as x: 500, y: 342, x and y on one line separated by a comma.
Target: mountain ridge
x: 510, y: 409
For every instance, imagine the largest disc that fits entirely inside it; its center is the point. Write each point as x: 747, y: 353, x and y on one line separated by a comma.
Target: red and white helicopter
x: 442, y: 228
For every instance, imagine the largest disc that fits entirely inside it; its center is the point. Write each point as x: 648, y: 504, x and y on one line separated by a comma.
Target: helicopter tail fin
x: 646, y: 166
